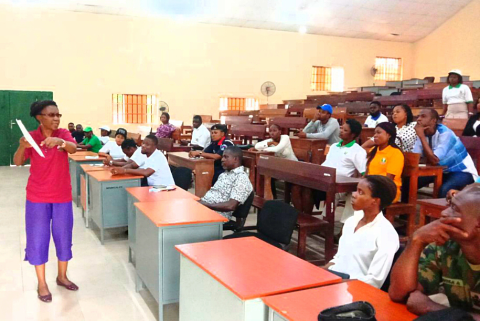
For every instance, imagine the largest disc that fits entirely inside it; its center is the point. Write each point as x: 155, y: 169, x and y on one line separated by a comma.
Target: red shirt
x: 49, y: 180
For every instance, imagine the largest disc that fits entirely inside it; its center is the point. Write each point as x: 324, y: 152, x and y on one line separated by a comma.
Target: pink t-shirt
x: 49, y: 180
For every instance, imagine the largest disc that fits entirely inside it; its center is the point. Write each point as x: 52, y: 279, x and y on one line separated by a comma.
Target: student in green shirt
x: 91, y: 142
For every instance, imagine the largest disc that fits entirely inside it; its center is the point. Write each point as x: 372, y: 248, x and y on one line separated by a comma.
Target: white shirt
x: 366, y: 254
x: 458, y: 94
x: 113, y: 150
x: 346, y: 159
x: 138, y: 157
x: 201, y: 136
x: 283, y: 149
x: 162, y: 175
x: 371, y: 123
x: 104, y: 139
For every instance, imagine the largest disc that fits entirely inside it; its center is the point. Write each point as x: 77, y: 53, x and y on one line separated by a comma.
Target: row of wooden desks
x: 75, y: 160
x: 248, y: 279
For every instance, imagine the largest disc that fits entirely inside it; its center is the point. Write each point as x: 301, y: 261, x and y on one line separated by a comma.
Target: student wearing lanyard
x: 457, y: 97
x: 49, y: 195
x: 375, y: 117
x: 215, y: 150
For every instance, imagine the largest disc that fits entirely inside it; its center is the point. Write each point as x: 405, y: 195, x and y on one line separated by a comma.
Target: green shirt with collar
x: 94, y: 142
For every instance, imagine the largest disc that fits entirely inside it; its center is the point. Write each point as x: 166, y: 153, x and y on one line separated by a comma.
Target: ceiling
x: 367, y: 19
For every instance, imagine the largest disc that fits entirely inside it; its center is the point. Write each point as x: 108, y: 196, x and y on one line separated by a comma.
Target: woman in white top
x: 457, y: 97
x: 369, y: 241
x: 277, y: 143
x: 406, y: 136
x: 113, y: 149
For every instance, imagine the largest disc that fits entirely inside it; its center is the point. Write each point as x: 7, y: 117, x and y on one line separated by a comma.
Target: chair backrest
x: 360, y: 96
x: 165, y: 144
x: 309, y: 113
x: 270, y: 113
x: 234, y: 120
x: 242, y: 210
x: 206, y: 118
x: 386, y: 284
x: 277, y: 220
x: 287, y: 123
x: 182, y: 177
x: 366, y: 134
x: 228, y: 113
x: 248, y: 130
x: 249, y: 163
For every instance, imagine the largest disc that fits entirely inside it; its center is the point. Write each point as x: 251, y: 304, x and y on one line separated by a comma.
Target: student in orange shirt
x: 386, y: 158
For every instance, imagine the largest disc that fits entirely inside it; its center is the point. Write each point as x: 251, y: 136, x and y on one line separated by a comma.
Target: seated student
x: 439, y: 145
x: 443, y: 256
x: 165, y: 130
x: 232, y: 187
x: 78, y: 134
x: 105, y: 134
x: 472, y: 128
x: 215, y: 150
x: 277, y: 143
x: 129, y: 148
x: 375, y: 117
x: 323, y: 126
x: 91, y: 142
x: 386, y: 158
x: 155, y: 168
x: 406, y: 136
x: 71, y: 127
x: 113, y: 149
x: 201, y: 136
x: 369, y: 241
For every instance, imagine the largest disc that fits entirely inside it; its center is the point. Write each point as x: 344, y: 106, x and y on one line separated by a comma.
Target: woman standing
x: 386, y: 158
x: 277, y: 143
x: 166, y: 129
x: 49, y: 195
x: 457, y: 97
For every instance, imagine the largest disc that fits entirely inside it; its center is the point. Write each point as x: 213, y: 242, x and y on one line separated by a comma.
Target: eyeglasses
x: 52, y: 115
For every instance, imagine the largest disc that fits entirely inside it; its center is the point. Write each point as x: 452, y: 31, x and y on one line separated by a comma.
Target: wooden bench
x: 409, y: 99
x: 360, y: 96
x: 206, y: 118
x: 248, y: 132
x: 310, y: 150
x: 270, y: 113
x: 357, y: 107
x: 472, y: 144
x: 237, y: 120
x: 365, y: 134
x: 308, y: 175
x: 340, y: 113
x: 288, y: 124
x: 229, y: 113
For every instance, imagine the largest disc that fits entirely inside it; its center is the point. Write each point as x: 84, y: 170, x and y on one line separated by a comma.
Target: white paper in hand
x: 29, y: 138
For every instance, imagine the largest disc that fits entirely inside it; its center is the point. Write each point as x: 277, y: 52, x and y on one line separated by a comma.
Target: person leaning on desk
x: 215, y: 150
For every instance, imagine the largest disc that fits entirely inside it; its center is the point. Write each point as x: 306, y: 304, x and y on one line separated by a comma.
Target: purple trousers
x: 40, y: 219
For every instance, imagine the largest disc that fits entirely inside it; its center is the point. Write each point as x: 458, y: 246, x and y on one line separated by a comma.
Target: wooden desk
x: 255, y: 155
x: 431, y: 208
x: 159, y: 227
x: 143, y: 194
x: 306, y: 305
x: 248, y: 132
x: 345, y: 184
x: 108, y: 206
x: 202, y: 167
x: 74, y: 162
x: 310, y: 150
x: 84, y: 190
x: 365, y: 134
x: 216, y: 285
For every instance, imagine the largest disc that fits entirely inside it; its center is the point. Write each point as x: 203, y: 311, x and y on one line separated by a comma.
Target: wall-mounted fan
x: 163, y: 107
x: 267, y: 89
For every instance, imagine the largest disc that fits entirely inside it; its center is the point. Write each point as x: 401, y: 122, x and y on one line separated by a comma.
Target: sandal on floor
x: 45, y: 298
x: 72, y: 286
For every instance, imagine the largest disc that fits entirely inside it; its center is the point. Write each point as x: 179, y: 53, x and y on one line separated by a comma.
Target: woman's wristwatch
x: 64, y: 144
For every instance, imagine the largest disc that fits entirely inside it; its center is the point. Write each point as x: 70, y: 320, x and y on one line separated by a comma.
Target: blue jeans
x: 455, y: 180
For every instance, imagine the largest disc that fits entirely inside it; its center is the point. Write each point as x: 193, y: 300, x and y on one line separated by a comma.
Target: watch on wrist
x: 64, y: 144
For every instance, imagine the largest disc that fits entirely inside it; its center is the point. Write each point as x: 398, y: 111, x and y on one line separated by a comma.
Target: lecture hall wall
x: 84, y: 58
x: 454, y: 45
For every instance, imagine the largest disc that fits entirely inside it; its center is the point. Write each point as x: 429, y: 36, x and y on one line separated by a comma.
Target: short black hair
x: 236, y: 152
x: 152, y: 137
x: 71, y: 123
x: 355, y: 126
x: 460, y: 78
x: 382, y: 187
x: 433, y: 113
x: 220, y: 127
x: 408, y: 111
x: 129, y: 143
x: 166, y: 115
x: 197, y: 118
x: 37, y: 107
x: 376, y: 102
x: 276, y: 125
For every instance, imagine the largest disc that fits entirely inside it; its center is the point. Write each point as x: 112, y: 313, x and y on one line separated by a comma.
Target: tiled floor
x: 105, y: 278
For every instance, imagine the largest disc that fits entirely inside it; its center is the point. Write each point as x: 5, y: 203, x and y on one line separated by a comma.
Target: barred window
x: 235, y: 103
x: 388, y: 68
x: 134, y: 109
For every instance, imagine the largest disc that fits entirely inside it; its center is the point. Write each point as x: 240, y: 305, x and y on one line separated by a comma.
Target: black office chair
x: 240, y: 215
x: 275, y: 224
x: 182, y: 177
x: 386, y: 284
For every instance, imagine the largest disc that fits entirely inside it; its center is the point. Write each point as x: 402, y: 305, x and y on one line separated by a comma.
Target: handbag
x: 360, y: 311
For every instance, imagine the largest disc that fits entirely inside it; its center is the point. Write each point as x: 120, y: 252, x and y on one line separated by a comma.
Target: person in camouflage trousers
x: 443, y: 257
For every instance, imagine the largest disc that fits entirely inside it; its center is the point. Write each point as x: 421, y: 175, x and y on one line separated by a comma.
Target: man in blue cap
x: 323, y: 126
